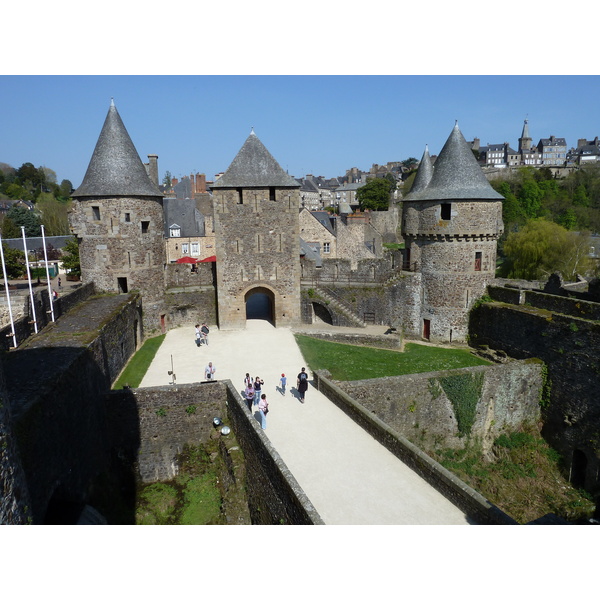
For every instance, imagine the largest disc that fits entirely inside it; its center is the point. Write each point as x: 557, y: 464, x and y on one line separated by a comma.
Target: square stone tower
x: 256, y: 211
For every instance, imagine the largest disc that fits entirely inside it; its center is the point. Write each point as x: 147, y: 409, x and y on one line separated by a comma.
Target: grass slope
x: 350, y: 363
x: 139, y: 363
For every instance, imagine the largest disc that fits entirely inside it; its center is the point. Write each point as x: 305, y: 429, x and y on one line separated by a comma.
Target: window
x: 185, y: 248
x: 478, y: 261
x: 195, y: 249
x: 127, y: 217
x: 96, y: 213
x: 272, y: 197
x: 145, y: 226
x: 175, y: 231
x: 446, y: 212
x: 326, y: 248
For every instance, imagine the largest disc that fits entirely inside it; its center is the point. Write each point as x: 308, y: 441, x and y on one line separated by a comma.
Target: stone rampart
x: 189, y: 306
x: 418, y: 407
x: 474, y: 505
x: 24, y: 327
x: 569, y: 348
x: 182, y: 276
x: 159, y: 421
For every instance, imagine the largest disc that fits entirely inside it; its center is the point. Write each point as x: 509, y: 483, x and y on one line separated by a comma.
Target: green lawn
x: 350, y: 363
x: 138, y: 365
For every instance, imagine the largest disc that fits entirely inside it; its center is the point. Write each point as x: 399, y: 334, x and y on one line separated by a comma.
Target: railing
x: 324, y: 279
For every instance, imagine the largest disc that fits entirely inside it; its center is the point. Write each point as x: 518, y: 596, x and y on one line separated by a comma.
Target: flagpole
x: 50, y: 295
x: 12, y: 323
x: 29, y: 279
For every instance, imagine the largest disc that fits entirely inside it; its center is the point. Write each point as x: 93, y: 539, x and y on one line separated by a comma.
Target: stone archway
x: 260, y: 304
x: 321, y: 313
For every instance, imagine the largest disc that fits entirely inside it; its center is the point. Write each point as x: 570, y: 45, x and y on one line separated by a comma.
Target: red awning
x: 187, y: 259
x: 209, y: 259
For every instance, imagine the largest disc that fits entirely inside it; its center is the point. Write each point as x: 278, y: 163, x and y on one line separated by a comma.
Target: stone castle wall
x: 568, y: 346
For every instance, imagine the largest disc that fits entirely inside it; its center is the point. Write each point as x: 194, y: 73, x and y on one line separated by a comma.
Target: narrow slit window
x: 145, y: 226
x: 446, y: 212
x: 96, y: 213
x: 478, y: 261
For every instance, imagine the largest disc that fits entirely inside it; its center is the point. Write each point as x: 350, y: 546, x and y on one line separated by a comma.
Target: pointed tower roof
x: 525, y: 134
x: 115, y: 168
x: 254, y: 166
x: 456, y: 174
x: 424, y: 173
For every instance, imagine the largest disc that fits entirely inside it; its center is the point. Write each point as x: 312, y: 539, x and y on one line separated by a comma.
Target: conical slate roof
x: 424, y: 173
x: 115, y: 168
x: 456, y: 175
x: 254, y: 166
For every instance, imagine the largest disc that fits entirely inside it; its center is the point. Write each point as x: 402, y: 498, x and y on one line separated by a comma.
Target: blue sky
x: 323, y: 124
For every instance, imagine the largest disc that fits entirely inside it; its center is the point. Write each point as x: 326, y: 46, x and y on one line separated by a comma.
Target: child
x: 282, y: 383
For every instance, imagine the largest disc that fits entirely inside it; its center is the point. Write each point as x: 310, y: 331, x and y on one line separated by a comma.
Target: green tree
x: 23, y: 217
x: 65, y: 189
x: 375, y: 194
x: 53, y: 214
x: 70, y: 258
x: 14, y: 260
x: 167, y: 179
x: 542, y: 247
x: 10, y: 229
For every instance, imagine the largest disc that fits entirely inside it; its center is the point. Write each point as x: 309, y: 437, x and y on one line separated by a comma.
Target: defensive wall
x: 473, y: 504
x: 565, y: 334
x: 446, y: 409
x: 149, y: 427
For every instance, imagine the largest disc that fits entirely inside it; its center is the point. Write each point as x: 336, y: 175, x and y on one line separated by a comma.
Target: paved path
x: 349, y: 477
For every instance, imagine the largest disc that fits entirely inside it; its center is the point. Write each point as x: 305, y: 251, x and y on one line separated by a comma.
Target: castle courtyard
x: 331, y: 457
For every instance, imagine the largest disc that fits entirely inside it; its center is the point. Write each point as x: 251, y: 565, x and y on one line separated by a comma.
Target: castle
x: 451, y: 222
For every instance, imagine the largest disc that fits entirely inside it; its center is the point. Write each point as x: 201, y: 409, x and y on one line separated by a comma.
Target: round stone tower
x: 451, y: 222
x: 117, y: 216
x: 257, y: 235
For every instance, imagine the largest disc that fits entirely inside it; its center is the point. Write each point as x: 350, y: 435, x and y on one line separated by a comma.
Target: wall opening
x: 426, y: 328
x: 260, y: 304
x: 578, y: 468
x: 122, y: 284
x: 321, y: 314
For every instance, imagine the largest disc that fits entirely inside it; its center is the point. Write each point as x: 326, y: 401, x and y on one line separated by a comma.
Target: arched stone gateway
x: 260, y: 303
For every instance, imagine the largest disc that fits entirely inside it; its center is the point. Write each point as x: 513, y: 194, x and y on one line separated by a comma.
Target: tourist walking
x: 205, y: 332
x: 263, y: 409
x: 209, y: 372
x: 249, y: 396
x: 302, y: 384
x: 258, y: 383
x: 198, y: 336
x: 248, y: 381
x: 282, y: 383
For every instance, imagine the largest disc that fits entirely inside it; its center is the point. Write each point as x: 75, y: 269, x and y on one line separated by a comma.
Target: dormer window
x: 175, y: 231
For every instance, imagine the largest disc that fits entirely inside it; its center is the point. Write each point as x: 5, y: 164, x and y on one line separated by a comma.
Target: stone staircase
x: 339, y: 305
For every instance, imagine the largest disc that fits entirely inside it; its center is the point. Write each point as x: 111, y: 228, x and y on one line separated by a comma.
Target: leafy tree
x: 15, y: 191
x: 167, y: 179
x: 375, y: 194
x: 66, y: 188
x: 410, y: 163
x: 53, y: 214
x: 10, y: 229
x: 70, y: 257
x: 541, y: 247
x: 23, y: 217
x: 14, y: 260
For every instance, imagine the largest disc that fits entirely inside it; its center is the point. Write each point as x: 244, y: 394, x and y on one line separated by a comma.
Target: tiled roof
x: 254, y: 166
x: 424, y: 173
x: 115, y: 168
x: 184, y: 213
x: 456, y: 175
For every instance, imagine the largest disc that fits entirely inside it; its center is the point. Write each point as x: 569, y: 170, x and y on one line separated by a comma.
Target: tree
x: 53, y: 214
x: 375, y: 194
x: 66, y: 188
x: 23, y: 217
x: 167, y: 179
x: 541, y: 247
x: 14, y: 261
x: 70, y: 257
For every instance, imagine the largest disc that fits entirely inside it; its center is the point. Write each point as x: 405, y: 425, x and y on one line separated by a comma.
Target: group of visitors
x: 254, y: 395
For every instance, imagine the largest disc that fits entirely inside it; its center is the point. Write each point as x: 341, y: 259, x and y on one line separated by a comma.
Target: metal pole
x: 50, y: 295
x: 29, y: 280
x: 12, y: 323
